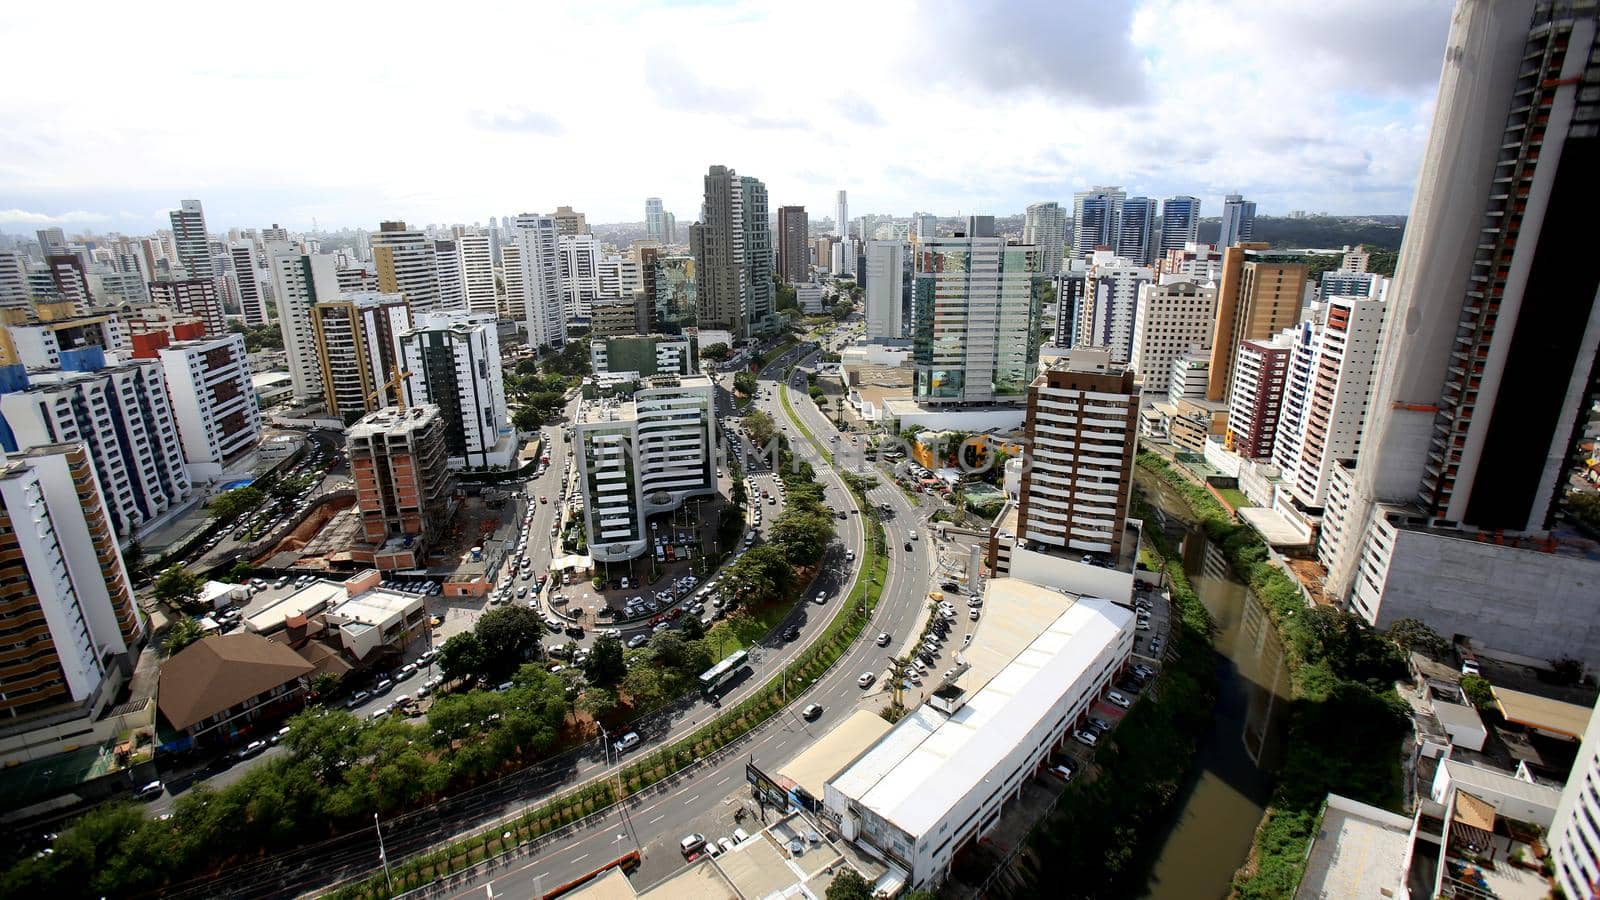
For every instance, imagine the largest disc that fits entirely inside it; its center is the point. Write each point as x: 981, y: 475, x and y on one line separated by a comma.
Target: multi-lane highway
x: 654, y: 824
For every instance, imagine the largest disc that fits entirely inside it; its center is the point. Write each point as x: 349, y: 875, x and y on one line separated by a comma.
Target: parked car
x: 692, y: 844
x: 1117, y: 699
x: 1087, y: 738
x: 149, y: 791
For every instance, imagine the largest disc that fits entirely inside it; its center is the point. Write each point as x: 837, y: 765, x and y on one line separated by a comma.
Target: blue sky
x: 465, y: 111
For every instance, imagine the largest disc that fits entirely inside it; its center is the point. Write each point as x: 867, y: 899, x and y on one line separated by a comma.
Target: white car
x: 626, y: 742
x: 1118, y: 699
x: 866, y: 679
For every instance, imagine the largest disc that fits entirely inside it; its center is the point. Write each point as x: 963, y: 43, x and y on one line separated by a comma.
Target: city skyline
x: 1344, y: 136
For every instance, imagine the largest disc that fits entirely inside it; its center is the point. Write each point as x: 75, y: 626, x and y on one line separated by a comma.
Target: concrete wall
x: 1071, y: 575
x: 1537, y: 604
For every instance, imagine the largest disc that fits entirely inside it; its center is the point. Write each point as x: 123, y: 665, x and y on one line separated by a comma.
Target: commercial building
x: 1259, y: 295
x: 252, y: 303
x: 654, y: 215
x: 357, y: 342
x: 301, y: 281
x: 1136, y: 231
x: 1180, y: 223
x: 1238, y: 221
x: 69, y: 608
x: 453, y: 362
x: 189, y: 239
x: 532, y: 262
x: 208, y: 382
x: 1468, y: 450
x: 370, y: 620
x: 676, y: 306
x: 1071, y: 286
x: 940, y: 778
x: 1110, y: 303
x: 580, y: 274
x: 196, y: 297
x: 1575, y: 833
x: 645, y: 355
x: 403, y: 484
x: 794, y: 253
x: 841, y: 217
x: 620, y: 316
x: 1173, y: 319
x: 223, y: 686
x: 809, y: 298
x: 121, y: 415
x: 405, y: 260
x: 1096, y: 215
x: 975, y: 330
x: 760, y: 301
x: 641, y: 457
x: 1045, y: 226
x: 717, y: 242
x: 1259, y: 373
x: 888, y: 290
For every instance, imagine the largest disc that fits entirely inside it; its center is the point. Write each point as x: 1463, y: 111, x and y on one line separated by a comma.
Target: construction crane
x: 376, y: 398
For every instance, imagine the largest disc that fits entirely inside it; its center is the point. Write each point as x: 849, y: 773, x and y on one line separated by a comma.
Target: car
x: 1098, y: 725
x: 883, y: 639
x: 405, y: 672
x: 966, y: 641
x: 740, y: 835
x: 811, y: 712
x: 1143, y: 625
x: 973, y: 614
x: 1063, y: 772
x: 359, y: 698
x: 1469, y: 666
x: 950, y: 586
x: 792, y: 633
x: 822, y: 597
x: 282, y: 733
x: 503, y: 686
x: 149, y: 791
x: 1117, y: 699
x: 543, y: 499
x: 692, y: 844
x: 638, y: 640
x: 1143, y: 670
x: 251, y: 749
x: 908, y: 546
x: 1155, y: 646
x: 1087, y: 738
x: 382, y: 687
x: 913, y: 534
x: 866, y: 679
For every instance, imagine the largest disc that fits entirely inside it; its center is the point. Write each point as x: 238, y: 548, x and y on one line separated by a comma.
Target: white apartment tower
x: 300, y: 281
x: 580, y: 274
x: 454, y: 361
x: 190, y: 241
x: 252, y: 303
x: 1045, y: 227
x: 1574, y: 836
x: 475, y: 259
x: 1173, y: 319
x: 1110, y: 301
x: 406, y: 263
x: 208, y: 381
x: 841, y: 213
x: 888, y: 292
x: 447, y: 262
x: 539, y: 302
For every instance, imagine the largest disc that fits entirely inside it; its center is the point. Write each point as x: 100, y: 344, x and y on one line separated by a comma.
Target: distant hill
x: 1377, y: 232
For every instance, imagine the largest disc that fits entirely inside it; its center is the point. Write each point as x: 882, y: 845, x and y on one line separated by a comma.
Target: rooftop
x: 375, y: 607
x: 837, y: 750
x: 222, y: 671
x: 313, y: 598
x: 1358, y: 851
x: 393, y: 418
x: 1543, y: 713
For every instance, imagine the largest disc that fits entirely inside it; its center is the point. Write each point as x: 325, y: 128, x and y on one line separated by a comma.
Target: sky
x: 342, y: 115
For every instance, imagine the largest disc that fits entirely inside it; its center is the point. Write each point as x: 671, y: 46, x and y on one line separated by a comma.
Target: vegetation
x: 230, y: 505
x: 1383, y: 233
x: 182, y: 633
x: 718, y: 352
x: 605, y: 665
x: 849, y: 885
x: 509, y: 635
x: 745, y: 383
x: 758, y: 423
x: 1345, y: 718
x: 1584, y: 506
x: 177, y: 586
x: 1478, y: 690
x: 263, y: 337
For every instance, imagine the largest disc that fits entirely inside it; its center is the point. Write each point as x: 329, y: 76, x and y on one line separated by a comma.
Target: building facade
x: 1111, y: 301
x: 357, y: 339
x: 1173, y: 320
x: 534, y: 292
x: 888, y: 290
x: 189, y: 239
x: 1259, y: 296
x: 1238, y: 221
x: 300, y: 281
x: 208, y: 382
x: 717, y: 243
x: 453, y: 361
x: 252, y: 303
x: 1180, y: 223
x: 1096, y: 217
x: 403, y: 485
x: 794, y: 253
x: 406, y: 262
x: 1256, y: 395
x: 1136, y: 230
x: 1045, y: 226
x: 196, y: 297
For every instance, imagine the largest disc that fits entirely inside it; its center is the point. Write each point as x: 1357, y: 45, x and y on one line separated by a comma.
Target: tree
x: 507, y: 634
x: 324, y: 684
x: 693, y: 629
x: 843, y: 309
x: 232, y: 504
x: 462, y: 655
x: 760, y: 427
x: 177, y: 585
x: 1413, y: 634
x: 718, y: 352
x: 605, y: 665
x: 527, y: 367
x: 644, y: 686
x: 598, y: 702
x: 526, y: 419
x: 745, y: 383
x: 849, y: 885
x: 182, y: 633
x: 1478, y: 690
x: 802, y: 536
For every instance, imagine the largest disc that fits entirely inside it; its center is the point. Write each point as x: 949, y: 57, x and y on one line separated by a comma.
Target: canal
x: 1210, y: 836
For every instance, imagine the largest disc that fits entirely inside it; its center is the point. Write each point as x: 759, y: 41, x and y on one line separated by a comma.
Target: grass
x: 1235, y: 497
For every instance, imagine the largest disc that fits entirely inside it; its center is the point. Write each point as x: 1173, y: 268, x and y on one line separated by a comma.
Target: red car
x: 674, y: 612
x: 657, y: 619
x: 544, y: 499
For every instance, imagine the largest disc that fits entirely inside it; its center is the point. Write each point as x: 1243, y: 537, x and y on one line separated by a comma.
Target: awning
x: 1474, y: 812
x: 575, y: 561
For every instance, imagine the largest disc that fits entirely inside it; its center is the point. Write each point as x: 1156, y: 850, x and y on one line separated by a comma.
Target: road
x: 654, y: 824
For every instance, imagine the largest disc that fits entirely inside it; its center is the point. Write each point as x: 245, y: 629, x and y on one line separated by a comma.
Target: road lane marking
x: 656, y: 819
x: 581, y: 858
x: 691, y: 800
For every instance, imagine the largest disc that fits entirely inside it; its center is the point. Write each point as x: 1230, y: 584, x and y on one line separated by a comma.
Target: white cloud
x: 473, y: 111
x: 44, y: 220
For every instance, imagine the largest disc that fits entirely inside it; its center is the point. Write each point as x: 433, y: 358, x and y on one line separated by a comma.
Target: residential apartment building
x: 532, y: 263
x: 1111, y: 302
x: 70, y: 281
x: 1071, y: 287
x: 1348, y: 283
x: 55, y: 328
x: 718, y: 245
x: 1256, y: 395
x: 1180, y: 223
x: 888, y: 290
x: 447, y: 266
x: 357, y: 339
x: 454, y: 363
x: 646, y: 355
x: 407, y: 264
x: 641, y: 457
x: 1574, y: 835
x: 475, y: 259
x: 975, y: 333
x: 841, y: 216
x: 398, y: 461
x: 619, y: 316
x: 1238, y: 221
x: 1259, y: 295
x: 1044, y: 226
x: 569, y: 221
x: 69, y: 607
x: 14, y: 291
x: 190, y: 241
x: 300, y: 281
x: 196, y: 297
x: 121, y: 415
x: 208, y: 382
x: 1173, y: 319
x: 1327, y: 393
x: 760, y: 301
x: 794, y: 237
x: 580, y: 274
x: 1199, y: 263
x: 252, y: 303
x: 619, y: 276
x: 654, y: 220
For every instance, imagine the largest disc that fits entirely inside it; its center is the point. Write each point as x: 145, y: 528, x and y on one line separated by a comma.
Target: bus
x: 713, y: 679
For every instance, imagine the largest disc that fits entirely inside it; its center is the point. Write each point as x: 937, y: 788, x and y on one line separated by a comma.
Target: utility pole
x: 382, y: 855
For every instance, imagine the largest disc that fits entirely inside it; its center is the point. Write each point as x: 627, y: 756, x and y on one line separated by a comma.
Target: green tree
x: 605, y: 665
x: 760, y: 427
x: 182, y: 633
x: 718, y: 352
x: 843, y: 309
x: 1478, y: 690
x: 507, y: 635
x: 745, y: 383
x: 644, y: 686
x: 849, y: 885
x: 803, y: 536
x: 462, y: 655
x: 598, y: 702
x: 692, y: 628
x: 1413, y: 634
x: 527, y: 366
x: 526, y: 419
x: 230, y: 505
x: 324, y: 684
x: 177, y: 585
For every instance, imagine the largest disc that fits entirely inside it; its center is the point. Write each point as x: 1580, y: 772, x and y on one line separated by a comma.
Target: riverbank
x: 1096, y: 842
x: 1346, y: 720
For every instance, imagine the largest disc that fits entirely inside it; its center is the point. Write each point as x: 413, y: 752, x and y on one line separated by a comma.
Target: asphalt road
x: 654, y: 824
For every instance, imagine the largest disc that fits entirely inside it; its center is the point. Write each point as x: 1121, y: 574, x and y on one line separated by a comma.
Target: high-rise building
x: 620, y: 316
x: 759, y: 300
x: 1096, y: 215
x: 1256, y: 395
x: 475, y: 257
x: 454, y: 363
x: 275, y: 234
x: 537, y: 301
x: 1111, y: 301
x: 976, y: 324
x: 1045, y: 226
x: 641, y: 457
x: 1484, y: 388
x: 121, y: 414
x: 300, y: 281
x: 190, y: 241
x: 56, y: 330
x: 1077, y: 477
x: 252, y: 304
x: 1238, y: 221
x: 213, y: 402
x: 580, y: 274
x: 1199, y: 263
x: 14, y: 292
x: 403, y: 485
x: 1355, y: 259
x: 196, y: 297
x: 1071, y: 287
x: 669, y: 228
x: 69, y: 607
x: 1172, y: 321
x: 1258, y: 297
x: 357, y: 339
x: 1343, y: 283
x: 1136, y: 230
x: 1574, y: 835
x: 1180, y: 223
x: 70, y: 280
x: 646, y: 354
x: 888, y: 290
x: 1327, y: 390
x: 655, y: 220
x: 452, y: 286
x: 841, y: 217
x: 717, y: 242
x: 676, y: 286
x: 406, y: 264
x: 569, y: 221
x: 52, y: 241
x: 794, y: 257
x: 618, y: 275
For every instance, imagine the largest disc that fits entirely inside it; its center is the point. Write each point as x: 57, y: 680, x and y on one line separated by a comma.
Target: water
x: 236, y: 483
x: 1217, y: 815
